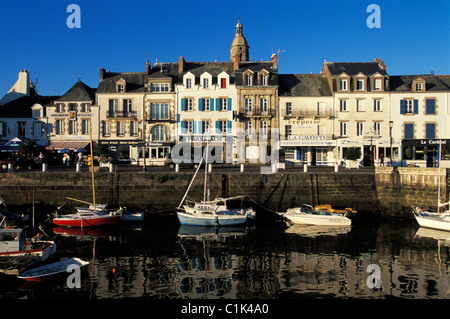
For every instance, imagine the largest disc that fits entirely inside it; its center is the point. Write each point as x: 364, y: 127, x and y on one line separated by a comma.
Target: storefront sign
x: 307, y: 140
x: 425, y: 142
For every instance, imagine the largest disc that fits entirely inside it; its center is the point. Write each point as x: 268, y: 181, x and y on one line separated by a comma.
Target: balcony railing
x: 121, y: 114
x: 258, y: 112
x: 159, y: 118
x: 307, y: 113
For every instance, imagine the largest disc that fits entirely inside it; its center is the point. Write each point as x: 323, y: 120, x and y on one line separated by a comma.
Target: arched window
x: 159, y: 133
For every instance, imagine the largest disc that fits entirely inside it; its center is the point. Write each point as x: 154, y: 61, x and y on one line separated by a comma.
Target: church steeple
x: 239, y: 46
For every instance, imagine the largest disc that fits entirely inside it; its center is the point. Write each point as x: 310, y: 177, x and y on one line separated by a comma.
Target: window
x: 159, y: 87
x: 248, y: 103
x: 187, y: 127
x: 360, y: 105
x: 37, y: 129
x: 207, y: 104
x: 321, y: 154
x: 263, y: 80
x: 72, y: 107
x: 263, y: 106
x: 127, y: 105
x: 377, y: 85
x: 343, y: 84
x: 223, y: 83
x: 409, y: 130
x: 205, y: 127
x: 159, y: 133
x: 113, y: 107
x: 430, y: 107
x: 430, y: 130
x: 263, y: 128
x: 133, y: 128
x: 360, y: 84
x: 105, y: 128
x: 188, y: 83
x: 84, y: 126
x: 85, y: 107
x: 343, y: 105
x: 377, y: 127
x: 120, y: 128
x: 222, y: 126
x: 377, y: 105
x: 287, y: 130
x: 320, y: 108
x: 59, y: 107
x: 205, y: 83
x: 21, y: 128
x: 187, y: 104
x: 37, y: 113
x: 343, y: 128
x: 159, y: 111
x: 59, y: 125
x: 248, y: 126
x: 320, y: 129
x: 419, y: 86
x: 359, y: 128
x: 120, y: 88
x: 72, y: 127
x: 288, y: 108
x: 409, y: 106
x: 248, y: 80
x: 3, y: 129
x: 223, y: 104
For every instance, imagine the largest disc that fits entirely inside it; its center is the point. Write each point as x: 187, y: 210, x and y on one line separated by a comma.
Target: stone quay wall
x: 384, y: 190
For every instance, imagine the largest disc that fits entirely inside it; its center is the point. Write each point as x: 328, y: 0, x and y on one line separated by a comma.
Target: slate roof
x: 403, y: 83
x: 21, y: 108
x: 303, y: 85
x: 353, y: 68
x: 78, y: 92
x: 257, y: 66
x: 135, y: 82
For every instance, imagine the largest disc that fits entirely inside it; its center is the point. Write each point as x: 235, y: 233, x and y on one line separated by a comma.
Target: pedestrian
x: 381, y: 159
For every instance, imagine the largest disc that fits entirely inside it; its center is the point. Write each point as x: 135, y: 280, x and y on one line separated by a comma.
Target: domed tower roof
x: 239, y: 46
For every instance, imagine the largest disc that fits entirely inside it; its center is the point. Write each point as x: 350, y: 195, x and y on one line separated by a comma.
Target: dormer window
x: 188, y: 83
x: 37, y: 111
x: 120, y: 86
x: 343, y: 84
x: 377, y: 85
x: 360, y: 84
x: 248, y: 80
x: 223, y: 80
x: 418, y: 85
x: 205, y: 83
x: 263, y: 78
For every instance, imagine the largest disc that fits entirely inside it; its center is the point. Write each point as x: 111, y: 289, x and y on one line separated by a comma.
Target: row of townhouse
x: 245, y: 109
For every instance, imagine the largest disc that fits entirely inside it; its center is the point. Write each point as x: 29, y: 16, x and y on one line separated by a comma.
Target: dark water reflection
x: 164, y: 260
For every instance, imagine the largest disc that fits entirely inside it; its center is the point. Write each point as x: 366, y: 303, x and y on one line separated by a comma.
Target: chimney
x: 236, y: 62
x: 148, y: 67
x: 102, y: 73
x: 380, y: 63
x: 181, y: 65
x: 274, y: 58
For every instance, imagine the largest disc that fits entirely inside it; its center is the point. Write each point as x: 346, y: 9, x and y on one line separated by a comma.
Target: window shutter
x: 194, y: 127
x: 409, y: 130
x: 431, y: 106
x: 416, y: 106
x: 183, y: 104
x: 218, y: 127
x: 217, y: 104
x: 229, y: 124
x: 299, y: 153
x: 183, y: 127
x: 229, y: 104
x: 430, y: 130
x: 200, y: 104
x: 211, y: 104
x: 402, y: 106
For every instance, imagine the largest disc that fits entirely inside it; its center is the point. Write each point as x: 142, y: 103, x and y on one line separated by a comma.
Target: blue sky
x: 414, y: 37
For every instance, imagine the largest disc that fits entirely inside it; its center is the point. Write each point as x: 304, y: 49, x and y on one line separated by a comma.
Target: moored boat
x: 88, y: 218
x: 309, y: 216
x: 53, y: 270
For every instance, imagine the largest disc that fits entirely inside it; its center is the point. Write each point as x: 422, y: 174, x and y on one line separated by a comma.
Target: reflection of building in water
x: 217, y: 272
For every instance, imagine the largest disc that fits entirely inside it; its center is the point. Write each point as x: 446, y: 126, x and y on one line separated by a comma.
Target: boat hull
x: 210, y: 219
x: 321, y: 220
x: 433, y: 222
x: 87, y: 222
x: 52, y: 271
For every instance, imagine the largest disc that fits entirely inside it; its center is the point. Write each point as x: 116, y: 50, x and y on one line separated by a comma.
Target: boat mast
x: 190, y: 184
x: 206, y: 170
x: 439, y: 179
x: 92, y: 164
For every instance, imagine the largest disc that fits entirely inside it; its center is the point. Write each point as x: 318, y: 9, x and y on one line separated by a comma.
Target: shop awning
x: 72, y: 145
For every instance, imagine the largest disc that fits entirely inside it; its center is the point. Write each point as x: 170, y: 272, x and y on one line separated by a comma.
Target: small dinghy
x: 53, y: 270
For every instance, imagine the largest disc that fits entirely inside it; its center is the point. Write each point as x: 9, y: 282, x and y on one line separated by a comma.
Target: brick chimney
x: 181, y: 63
x: 236, y: 62
x: 380, y: 63
x: 274, y: 58
x: 148, y: 67
x: 102, y: 73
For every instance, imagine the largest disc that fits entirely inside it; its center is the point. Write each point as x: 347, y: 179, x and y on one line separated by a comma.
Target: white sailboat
x: 435, y: 220
x: 211, y: 213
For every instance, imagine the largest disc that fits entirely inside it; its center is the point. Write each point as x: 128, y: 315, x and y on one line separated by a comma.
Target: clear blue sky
x: 414, y: 37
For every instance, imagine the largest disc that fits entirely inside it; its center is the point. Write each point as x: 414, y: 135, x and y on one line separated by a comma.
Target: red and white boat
x: 89, y: 217
x: 53, y: 271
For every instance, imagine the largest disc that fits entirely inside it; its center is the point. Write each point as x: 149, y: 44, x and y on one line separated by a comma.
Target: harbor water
x: 160, y: 259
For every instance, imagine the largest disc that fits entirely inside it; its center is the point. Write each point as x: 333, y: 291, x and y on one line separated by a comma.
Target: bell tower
x: 239, y: 46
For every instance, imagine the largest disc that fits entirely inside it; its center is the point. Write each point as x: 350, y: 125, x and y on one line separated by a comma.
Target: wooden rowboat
x: 52, y: 271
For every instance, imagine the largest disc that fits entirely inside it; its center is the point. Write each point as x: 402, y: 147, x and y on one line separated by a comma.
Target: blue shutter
x: 431, y: 106
x: 211, y: 104
x: 194, y: 127
x: 217, y: 104
x: 430, y: 130
x: 416, y: 106
x: 409, y: 130
x: 402, y: 106
x: 200, y: 104
x: 183, y: 127
x: 218, y: 127
x: 183, y: 104
x: 229, y: 125
x: 229, y: 104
